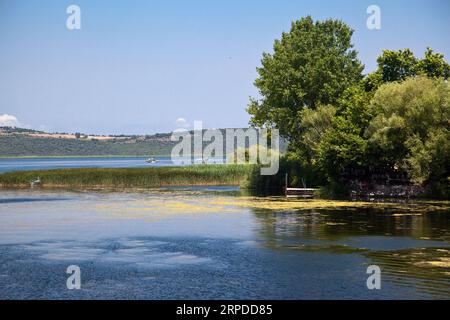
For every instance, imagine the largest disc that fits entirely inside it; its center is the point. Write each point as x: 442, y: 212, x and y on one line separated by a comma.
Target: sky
x: 141, y: 67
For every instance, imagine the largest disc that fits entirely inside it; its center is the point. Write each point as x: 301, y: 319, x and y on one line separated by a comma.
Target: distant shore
x: 88, y: 156
x: 233, y: 175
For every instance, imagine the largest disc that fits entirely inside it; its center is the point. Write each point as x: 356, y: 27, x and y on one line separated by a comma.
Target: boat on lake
x: 151, y: 160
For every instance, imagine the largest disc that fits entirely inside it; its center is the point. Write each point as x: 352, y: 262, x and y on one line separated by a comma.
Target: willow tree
x: 412, y: 128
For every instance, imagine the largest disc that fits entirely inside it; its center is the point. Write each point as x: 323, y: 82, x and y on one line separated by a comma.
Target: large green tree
x: 337, y: 140
x: 342, y: 150
x: 311, y: 65
x: 342, y: 126
x: 396, y: 65
x: 411, y: 127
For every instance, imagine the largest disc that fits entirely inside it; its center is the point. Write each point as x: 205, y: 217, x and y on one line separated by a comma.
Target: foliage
x: 433, y: 65
x: 311, y: 65
x: 393, y: 123
x: 396, y: 65
x: 333, y: 136
x: 315, y: 124
x: 402, y: 64
x: 412, y: 127
x: 299, y: 172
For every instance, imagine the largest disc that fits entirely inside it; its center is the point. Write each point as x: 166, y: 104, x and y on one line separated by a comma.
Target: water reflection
x: 222, y: 244
x: 426, y: 269
x: 412, y: 249
x: 33, y: 199
x: 335, y: 224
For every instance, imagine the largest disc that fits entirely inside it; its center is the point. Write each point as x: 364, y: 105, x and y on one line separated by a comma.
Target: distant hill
x: 27, y: 142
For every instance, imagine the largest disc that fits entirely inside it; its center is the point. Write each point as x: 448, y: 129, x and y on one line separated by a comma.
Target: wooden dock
x: 300, y: 192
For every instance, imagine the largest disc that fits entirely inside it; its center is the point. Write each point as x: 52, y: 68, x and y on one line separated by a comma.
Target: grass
x: 130, y: 177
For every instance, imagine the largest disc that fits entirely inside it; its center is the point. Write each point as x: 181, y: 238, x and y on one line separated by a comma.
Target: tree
x: 353, y: 106
x: 433, y: 65
x: 402, y: 64
x: 316, y: 123
x: 342, y: 126
x: 412, y: 127
x: 396, y: 65
x: 342, y: 151
x: 334, y: 135
x: 311, y: 65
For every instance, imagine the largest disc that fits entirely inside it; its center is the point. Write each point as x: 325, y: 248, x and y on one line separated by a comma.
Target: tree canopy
x: 412, y: 126
x: 344, y: 126
x: 402, y: 64
x: 311, y: 65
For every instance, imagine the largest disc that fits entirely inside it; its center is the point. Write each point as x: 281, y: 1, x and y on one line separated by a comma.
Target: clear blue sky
x: 137, y: 66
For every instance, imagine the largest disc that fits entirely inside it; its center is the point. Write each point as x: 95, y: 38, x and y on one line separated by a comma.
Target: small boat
x: 36, y: 182
x: 151, y: 160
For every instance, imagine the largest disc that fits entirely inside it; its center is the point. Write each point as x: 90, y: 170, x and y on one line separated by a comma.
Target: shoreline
x: 81, y: 156
x: 239, y: 175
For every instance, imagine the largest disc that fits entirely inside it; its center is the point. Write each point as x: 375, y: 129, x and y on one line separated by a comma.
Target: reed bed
x: 231, y: 174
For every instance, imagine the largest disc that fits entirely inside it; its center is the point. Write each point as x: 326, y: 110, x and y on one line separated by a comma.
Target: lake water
x: 215, y: 243
x: 16, y: 164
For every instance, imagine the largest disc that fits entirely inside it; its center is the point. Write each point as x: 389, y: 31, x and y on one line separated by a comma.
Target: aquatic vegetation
x: 192, y: 203
x: 232, y: 174
x: 335, y: 249
x: 430, y: 267
x: 441, y: 263
x: 281, y: 203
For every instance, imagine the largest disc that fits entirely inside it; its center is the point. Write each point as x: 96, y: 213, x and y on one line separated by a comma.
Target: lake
x: 19, y: 164
x: 217, y: 243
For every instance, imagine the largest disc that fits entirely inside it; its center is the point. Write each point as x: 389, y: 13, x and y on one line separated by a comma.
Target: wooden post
x: 286, y: 186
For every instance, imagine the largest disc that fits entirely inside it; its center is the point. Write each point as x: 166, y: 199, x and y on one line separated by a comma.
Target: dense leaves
x: 401, y: 64
x: 311, y: 65
x: 412, y: 126
x: 394, y: 122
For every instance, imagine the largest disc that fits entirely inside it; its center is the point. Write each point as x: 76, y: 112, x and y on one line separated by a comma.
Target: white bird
x: 36, y: 182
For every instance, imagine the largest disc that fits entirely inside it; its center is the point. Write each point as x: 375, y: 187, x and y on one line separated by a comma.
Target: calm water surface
x: 213, y: 243
x: 19, y: 164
